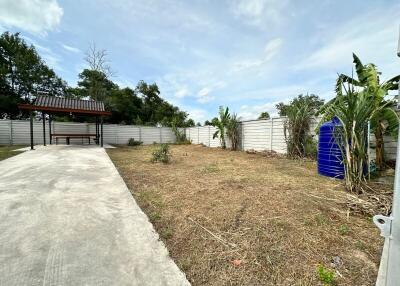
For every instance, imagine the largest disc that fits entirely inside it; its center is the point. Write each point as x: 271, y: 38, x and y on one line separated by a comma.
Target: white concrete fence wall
x: 258, y: 135
x: 203, y: 135
x: 268, y: 135
x: 16, y: 132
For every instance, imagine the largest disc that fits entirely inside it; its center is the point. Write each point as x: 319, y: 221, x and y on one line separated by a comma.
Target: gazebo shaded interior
x: 58, y: 105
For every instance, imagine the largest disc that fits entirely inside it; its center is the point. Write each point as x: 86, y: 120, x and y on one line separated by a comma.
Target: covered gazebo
x: 58, y: 105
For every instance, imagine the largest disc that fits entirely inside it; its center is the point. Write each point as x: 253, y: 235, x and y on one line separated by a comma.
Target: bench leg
x: 67, y: 140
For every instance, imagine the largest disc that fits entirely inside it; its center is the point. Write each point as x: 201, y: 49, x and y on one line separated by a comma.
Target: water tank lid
x: 336, y: 120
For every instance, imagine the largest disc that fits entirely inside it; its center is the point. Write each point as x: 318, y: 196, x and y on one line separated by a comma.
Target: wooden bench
x: 68, y: 136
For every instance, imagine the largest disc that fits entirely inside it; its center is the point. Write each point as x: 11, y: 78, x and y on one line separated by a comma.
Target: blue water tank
x: 330, y: 159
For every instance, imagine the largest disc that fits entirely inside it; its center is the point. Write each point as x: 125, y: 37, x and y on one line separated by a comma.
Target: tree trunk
x: 380, y: 164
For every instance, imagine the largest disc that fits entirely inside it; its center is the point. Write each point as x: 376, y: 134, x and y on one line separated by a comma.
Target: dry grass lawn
x: 232, y: 218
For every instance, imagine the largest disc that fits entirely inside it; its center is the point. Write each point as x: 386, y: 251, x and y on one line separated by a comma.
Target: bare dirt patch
x: 232, y: 218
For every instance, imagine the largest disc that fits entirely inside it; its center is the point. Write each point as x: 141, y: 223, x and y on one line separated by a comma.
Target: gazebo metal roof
x: 53, y: 104
x: 67, y: 105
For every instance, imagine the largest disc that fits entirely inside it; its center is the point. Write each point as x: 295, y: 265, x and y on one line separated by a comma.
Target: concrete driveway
x: 67, y: 218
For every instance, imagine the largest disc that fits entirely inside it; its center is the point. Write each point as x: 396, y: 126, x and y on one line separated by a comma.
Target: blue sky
x: 245, y: 54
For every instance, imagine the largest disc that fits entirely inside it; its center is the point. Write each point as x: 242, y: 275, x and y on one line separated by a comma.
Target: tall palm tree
x: 385, y: 121
x: 221, y: 124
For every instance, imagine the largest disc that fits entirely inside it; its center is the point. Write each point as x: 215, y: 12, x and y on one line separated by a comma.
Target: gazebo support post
x: 31, y: 128
x: 97, y: 130
x: 50, y: 130
x: 101, y: 135
x: 44, y: 128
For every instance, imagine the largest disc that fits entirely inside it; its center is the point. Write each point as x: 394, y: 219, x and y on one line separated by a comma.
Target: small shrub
x: 161, y: 154
x: 311, y: 148
x: 212, y: 168
x: 360, y: 245
x: 320, y: 219
x: 154, y: 216
x: 344, y: 229
x: 326, y: 276
x: 180, y: 135
x: 133, y: 142
x: 167, y: 233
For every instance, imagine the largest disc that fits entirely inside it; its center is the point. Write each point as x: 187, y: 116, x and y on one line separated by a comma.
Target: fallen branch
x: 220, y: 239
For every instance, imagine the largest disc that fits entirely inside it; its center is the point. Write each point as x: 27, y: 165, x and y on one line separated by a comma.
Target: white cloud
x: 253, y: 111
x: 120, y: 81
x: 272, y: 47
x: 270, y: 50
x: 273, y: 93
x: 35, y: 16
x: 71, y: 49
x: 203, y: 96
x: 373, y: 41
x: 203, y: 92
x: 198, y: 115
x: 182, y: 92
x: 51, y: 59
x: 205, y: 99
x: 259, y: 12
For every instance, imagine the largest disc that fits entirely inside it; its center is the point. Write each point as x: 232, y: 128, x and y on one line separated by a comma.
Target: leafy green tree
x: 214, y: 121
x: 156, y: 110
x: 151, y: 101
x: 189, y: 123
x: 383, y: 122
x: 95, y: 84
x: 264, y: 115
x: 23, y: 75
x: 126, y: 106
x: 312, y: 100
x: 207, y: 123
x: 221, y: 124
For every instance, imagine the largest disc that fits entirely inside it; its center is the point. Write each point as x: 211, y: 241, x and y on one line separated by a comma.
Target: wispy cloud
x: 203, y: 96
x: 182, y: 92
x: 71, y: 49
x: 259, y: 12
x: 198, y: 115
x: 52, y: 59
x: 371, y: 38
x: 270, y: 50
x: 35, y: 16
x: 248, y: 112
x: 203, y: 54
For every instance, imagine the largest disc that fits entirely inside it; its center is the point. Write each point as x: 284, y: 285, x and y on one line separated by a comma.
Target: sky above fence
x: 247, y: 54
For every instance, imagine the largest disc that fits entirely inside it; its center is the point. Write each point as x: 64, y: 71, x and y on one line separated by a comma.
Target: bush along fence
x: 258, y: 135
x: 269, y: 135
x: 16, y: 132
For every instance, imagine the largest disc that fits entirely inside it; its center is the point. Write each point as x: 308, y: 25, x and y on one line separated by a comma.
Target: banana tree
x: 385, y: 121
x: 354, y: 109
x: 232, y: 131
x: 221, y: 124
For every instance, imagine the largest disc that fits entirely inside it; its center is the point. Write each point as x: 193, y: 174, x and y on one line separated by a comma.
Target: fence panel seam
x: 11, y: 133
x: 271, y: 134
